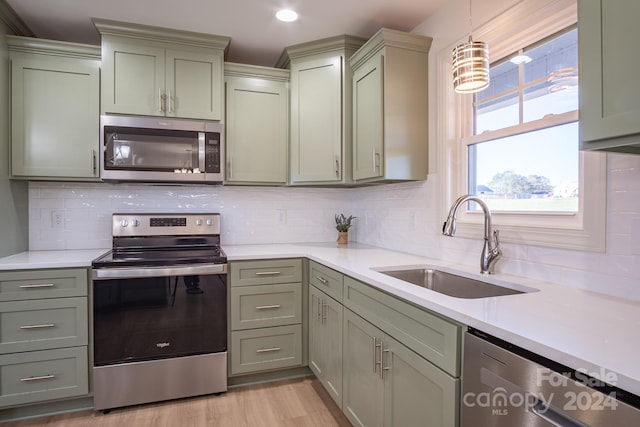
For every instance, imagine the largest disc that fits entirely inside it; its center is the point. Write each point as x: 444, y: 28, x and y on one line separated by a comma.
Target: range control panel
x: 165, y: 224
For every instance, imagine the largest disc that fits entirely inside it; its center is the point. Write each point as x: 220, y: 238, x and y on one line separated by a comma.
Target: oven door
x: 156, y: 313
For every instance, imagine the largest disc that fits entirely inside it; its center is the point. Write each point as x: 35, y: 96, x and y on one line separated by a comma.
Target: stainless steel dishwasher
x: 507, y: 386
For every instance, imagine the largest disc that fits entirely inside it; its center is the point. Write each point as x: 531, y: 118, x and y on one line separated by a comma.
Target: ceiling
x: 256, y: 36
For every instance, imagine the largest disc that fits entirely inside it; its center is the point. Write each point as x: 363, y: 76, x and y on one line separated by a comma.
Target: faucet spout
x: 491, y: 251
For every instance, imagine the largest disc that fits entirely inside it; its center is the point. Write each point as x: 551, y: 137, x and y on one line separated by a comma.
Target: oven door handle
x: 136, y: 272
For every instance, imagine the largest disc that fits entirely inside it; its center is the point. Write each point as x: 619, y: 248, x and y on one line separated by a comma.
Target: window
x: 515, y: 144
x: 523, y: 154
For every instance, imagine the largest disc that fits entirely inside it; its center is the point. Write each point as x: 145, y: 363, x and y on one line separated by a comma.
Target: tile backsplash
x: 249, y: 214
x: 401, y: 217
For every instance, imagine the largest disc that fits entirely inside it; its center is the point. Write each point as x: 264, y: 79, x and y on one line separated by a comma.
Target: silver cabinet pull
x: 40, y: 378
x: 324, y: 312
x: 266, y: 350
x: 322, y: 280
x: 337, y: 168
x: 42, y: 326
x: 267, y: 273
x: 94, y: 163
x: 384, y: 368
x: 160, y: 109
x: 169, y: 102
x: 39, y: 285
x: 318, y: 308
x: 267, y: 307
x: 375, y: 354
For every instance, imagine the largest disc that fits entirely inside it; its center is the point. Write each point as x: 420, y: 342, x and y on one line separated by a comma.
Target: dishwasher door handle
x: 550, y: 415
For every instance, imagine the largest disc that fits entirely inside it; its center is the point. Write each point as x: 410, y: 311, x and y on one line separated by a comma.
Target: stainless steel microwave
x: 151, y: 149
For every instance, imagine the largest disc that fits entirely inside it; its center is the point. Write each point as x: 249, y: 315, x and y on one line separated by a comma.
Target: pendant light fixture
x: 470, y: 65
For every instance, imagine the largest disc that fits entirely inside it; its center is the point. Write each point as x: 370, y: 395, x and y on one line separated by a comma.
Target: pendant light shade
x: 470, y: 67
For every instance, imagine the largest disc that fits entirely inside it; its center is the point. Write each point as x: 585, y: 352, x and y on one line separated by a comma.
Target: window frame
x: 584, y: 230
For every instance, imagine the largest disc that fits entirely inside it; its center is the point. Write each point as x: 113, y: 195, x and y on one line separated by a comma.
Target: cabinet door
x: 368, y: 119
x: 55, y: 117
x: 325, y: 342
x: 363, y: 399
x: 416, y: 392
x: 609, y: 79
x: 193, y: 85
x: 132, y: 79
x: 316, y: 120
x: 257, y: 131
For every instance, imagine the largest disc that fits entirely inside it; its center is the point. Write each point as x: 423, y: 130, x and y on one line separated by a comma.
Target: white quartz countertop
x: 50, y: 259
x: 584, y: 330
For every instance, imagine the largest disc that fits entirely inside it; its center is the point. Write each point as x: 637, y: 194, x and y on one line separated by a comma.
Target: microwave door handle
x: 201, y: 152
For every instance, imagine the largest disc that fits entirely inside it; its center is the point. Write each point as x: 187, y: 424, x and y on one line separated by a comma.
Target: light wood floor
x: 292, y: 403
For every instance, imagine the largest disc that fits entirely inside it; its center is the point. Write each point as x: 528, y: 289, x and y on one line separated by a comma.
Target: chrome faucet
x: 491, y: 251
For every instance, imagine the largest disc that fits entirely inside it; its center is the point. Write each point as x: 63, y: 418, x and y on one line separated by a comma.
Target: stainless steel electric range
x: 160, y: 310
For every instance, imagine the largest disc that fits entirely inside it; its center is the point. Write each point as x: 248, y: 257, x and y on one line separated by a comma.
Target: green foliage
x: 509, y: 182
x: 343, y: 223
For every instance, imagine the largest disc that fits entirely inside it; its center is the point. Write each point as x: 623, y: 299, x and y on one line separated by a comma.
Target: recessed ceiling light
x: 286, y: 15
x: 520, y: 59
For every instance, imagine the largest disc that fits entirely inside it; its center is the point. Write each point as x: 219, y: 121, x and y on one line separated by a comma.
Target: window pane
x: 557, y: 54
x: 545, y: 98
x: 535, y: 171
x: 497, y: 114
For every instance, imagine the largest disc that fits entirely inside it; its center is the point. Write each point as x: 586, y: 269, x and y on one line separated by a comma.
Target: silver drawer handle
x: 267, y: 273
x: 266, y: 307
x: 44, y: 325
x: 266, y: 350
x: 42, y: 285
x: 42, y: 377
x: 322, y: 280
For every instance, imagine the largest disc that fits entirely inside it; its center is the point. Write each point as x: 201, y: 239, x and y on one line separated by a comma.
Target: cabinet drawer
x: 265, y: 272
x: 37, y: 284
x: 43, y: 324
x: 43, y: 375
x: 327, y: 280
x: 266, y: 305
x: 268, y: 348
x: 429, y: 335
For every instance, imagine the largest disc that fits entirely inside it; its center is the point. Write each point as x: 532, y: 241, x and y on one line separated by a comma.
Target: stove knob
x: 135, y: 223
x: 209, y: 222
x: 198, y: 221
x: 124, y: 223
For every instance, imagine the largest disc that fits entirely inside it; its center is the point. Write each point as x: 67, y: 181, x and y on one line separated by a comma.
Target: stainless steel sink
x: 450, y: 284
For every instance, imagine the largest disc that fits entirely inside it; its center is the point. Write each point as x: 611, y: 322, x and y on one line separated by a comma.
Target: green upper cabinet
x: 257, y: 120
x: 320, y: 137
x: 55, y: 89
x: 390, y: 108
x: 608, y: 36
x: 160, y: 72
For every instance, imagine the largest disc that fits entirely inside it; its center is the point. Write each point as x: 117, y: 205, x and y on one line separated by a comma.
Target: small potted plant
x: 343, y: 224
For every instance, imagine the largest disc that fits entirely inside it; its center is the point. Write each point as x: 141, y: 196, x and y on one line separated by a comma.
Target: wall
x: 249, y: 214
x: 14, y: 224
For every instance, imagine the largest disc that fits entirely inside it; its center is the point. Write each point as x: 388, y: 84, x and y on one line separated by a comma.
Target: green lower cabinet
x: 256, y: 350
x: 387, y: 384
x: 325, y: 342
x: 363, y: 400
x: 37, y: 376
x: 416, y: 392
